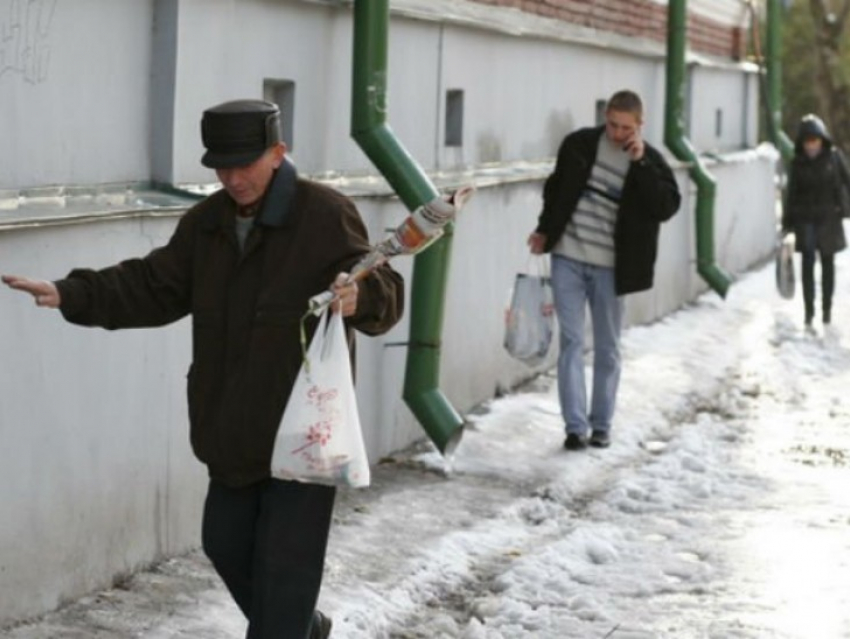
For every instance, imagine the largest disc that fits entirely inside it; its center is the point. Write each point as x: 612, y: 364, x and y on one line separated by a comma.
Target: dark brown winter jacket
x: 245, y: 308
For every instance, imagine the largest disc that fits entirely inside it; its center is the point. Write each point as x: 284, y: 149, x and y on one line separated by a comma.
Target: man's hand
x: 345, y: 300
x: 45, y: 293
x: 536, y: 242
x: 634, y: 147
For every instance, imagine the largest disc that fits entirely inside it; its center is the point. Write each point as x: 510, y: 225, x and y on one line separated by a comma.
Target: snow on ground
x: 721, y: 509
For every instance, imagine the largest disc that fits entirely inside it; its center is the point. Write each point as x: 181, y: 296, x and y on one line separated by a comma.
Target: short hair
x: 627, y: 102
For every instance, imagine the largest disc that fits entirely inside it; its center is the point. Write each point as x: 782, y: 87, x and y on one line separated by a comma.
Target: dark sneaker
x: 575, y: 442
x: 600, y: 439
x: 321, y: 628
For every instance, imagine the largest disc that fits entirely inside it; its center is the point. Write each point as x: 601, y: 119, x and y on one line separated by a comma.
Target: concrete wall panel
x: 74, y: 90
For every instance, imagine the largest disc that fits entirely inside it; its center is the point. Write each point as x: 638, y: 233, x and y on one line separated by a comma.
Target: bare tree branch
x: 830, y: 23
x: 843, y: 15
x: 833, y: 86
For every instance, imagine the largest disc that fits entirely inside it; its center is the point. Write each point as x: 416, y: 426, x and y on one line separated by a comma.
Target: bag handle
x: 538, y: 265
x: 302, y: 333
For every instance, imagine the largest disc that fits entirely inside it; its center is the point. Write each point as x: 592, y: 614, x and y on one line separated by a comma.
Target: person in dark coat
x: 243, y: 263
x: 602, y: 209
x: 813, y: 210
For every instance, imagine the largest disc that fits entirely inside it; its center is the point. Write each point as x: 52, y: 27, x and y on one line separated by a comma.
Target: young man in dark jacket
x: 244, y: 263
x: 602, y: 208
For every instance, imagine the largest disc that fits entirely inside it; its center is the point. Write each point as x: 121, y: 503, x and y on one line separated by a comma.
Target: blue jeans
x: 576, y: 285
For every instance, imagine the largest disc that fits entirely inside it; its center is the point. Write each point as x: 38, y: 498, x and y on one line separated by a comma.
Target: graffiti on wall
x: 25, y: 39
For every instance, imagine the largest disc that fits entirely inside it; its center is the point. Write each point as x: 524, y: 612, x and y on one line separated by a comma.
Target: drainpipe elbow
x: 437, y: 416
x: 718, y: 279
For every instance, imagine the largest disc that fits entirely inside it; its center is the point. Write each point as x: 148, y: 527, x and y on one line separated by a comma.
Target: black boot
x: 321, y: 628
x: 827, y: 315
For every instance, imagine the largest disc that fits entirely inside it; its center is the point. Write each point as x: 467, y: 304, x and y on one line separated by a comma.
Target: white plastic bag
x: 529, y: 321
x: 785, y: 266
x: 319, y: 440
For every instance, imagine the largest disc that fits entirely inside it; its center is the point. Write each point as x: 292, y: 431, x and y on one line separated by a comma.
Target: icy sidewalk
x: 720, y: 510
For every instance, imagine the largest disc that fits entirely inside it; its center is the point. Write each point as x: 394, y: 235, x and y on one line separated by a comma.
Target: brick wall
x: 642, y: 18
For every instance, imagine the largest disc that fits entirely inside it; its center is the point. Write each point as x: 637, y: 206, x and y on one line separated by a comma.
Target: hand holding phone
x: 634, y: 147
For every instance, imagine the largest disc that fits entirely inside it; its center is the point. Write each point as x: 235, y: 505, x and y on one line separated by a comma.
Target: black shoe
x: 600, y: 439
x: 827, y: 316
x: 575, y: 442
x: 321, y: 628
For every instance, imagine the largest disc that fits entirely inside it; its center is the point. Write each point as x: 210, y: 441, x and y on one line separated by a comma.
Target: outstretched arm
x: 141, y: 292
x: 45, y: 293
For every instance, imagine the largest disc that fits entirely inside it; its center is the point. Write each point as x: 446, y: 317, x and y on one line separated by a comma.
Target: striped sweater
x: 589, y: 237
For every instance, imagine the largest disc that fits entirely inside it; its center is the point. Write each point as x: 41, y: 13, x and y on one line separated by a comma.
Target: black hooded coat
x: 813, y: 194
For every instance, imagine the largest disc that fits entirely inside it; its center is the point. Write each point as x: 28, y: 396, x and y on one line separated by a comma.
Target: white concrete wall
x: 732, y: 94
x: 97, y: 82
x: 543, y: 89
x: 97, y: 475
x: 74, y: 91
x: 307, y: 44
x: 745, y: 221
x: 539, y: 81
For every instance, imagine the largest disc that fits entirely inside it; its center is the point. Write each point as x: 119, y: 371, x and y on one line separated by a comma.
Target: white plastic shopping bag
x: 785, y: 266
x: 529, y: 319
x: 319, y: 440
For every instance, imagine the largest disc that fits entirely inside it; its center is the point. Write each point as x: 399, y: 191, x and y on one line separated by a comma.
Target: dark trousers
x: 827, y: 274
x: 267, y: 541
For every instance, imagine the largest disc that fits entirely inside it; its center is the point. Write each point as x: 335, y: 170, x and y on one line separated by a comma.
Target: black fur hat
x: 237, y: 133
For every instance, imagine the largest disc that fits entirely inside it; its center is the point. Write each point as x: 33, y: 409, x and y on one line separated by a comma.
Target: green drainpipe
x: 773, y: 55
x: 674, y: 138
x: 430, y: 268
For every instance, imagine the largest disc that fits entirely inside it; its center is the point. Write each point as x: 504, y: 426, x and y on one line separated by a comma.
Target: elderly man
x: 244, y: 262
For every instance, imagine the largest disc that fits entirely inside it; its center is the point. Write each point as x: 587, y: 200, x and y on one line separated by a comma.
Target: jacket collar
x: 277, y: 203
x: 275, y: 211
